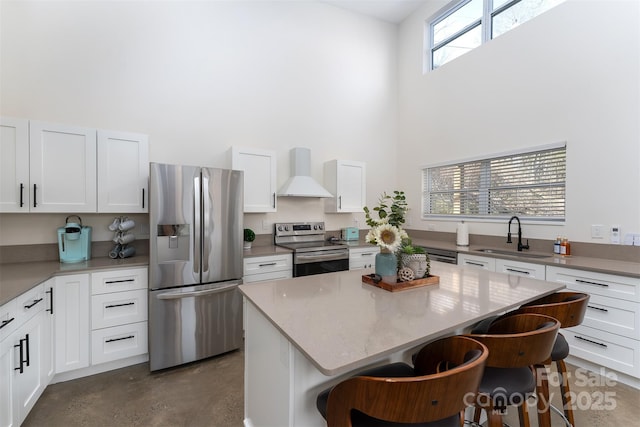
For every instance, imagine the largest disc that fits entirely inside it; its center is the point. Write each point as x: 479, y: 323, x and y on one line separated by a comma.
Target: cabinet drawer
x: 30, y: 303
x: 125, y: 279
x: 608, y: 350
x: 9, y: 318
x: 608, y: 285
x: 118, y: 342
x: 118, y: 308
x: 525, y: 269
x: 613, y: 315
x: 266, y: 264
x: 271, y: 275
x: 477, y: 261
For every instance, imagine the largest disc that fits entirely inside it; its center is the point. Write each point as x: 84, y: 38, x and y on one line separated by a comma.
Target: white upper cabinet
x: 259, y: 168
x: 62, y: 168
x: 346, y: 179
x: 14, y: 165
x: 123, y: 172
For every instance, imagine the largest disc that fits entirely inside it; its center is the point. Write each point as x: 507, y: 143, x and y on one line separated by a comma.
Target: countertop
x: 339, y: 323
x: 17, y: 278
x: 600, y: 265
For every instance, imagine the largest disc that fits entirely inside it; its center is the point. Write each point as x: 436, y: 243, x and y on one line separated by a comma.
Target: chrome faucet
x: 520, y: 245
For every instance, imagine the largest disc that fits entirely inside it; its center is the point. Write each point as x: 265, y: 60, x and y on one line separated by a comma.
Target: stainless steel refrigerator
x: 195, y: 263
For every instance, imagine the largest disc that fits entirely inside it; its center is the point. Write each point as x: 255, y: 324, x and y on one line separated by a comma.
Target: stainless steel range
x: 312, y: 253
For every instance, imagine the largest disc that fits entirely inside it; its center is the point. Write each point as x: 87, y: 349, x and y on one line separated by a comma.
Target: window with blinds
x: 528, y: 184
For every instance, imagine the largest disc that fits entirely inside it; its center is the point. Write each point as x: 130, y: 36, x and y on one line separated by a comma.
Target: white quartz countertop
x: 340, y: 323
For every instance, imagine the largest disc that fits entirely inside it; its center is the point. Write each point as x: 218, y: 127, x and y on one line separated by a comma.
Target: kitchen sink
x: 514, y: 253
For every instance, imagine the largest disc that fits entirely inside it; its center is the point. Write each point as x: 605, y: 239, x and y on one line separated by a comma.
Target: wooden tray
x: 401, y: 286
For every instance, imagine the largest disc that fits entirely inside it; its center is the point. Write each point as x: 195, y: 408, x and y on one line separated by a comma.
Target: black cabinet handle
x: 119, y: 305
x: 590, y: 341
x: 339, y: 202
x: 110, y: 282
x: 143, y: 198
x: 26, y: 338
x: 21, y: 194
x: 120, y: 339
x: 474, y: 263
x: 35, y: 301
x: 50, y: 292
x: 598, y: 308
x: 518, y: 271
x: 267, y: 264
x: 586, y: 282
x: 6, y: 322
x: 35, y: 188
x: 274, y: 200
x: 21, y: 367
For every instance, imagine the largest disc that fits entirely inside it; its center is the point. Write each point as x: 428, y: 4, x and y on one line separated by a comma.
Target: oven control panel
x: 299, y: 228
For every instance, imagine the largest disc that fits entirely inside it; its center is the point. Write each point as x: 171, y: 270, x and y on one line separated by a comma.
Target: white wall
x: 199, y: 77
x: 572, y: 74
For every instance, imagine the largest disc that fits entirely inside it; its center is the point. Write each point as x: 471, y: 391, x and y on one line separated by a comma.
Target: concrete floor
x: 210, y: 393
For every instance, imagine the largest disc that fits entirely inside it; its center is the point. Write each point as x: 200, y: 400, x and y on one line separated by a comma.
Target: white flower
x: 386, y: 236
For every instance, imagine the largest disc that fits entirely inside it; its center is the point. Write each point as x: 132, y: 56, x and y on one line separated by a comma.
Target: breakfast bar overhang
x: 305, y: 334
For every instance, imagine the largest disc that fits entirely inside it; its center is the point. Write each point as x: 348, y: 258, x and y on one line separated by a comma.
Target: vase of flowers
x: 386, y: 232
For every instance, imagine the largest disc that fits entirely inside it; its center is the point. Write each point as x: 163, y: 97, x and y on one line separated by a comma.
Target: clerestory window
x: 467, y: 24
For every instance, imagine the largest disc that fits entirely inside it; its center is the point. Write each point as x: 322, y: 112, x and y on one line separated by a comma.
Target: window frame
x: 485, y: 21
x: 484, y: 189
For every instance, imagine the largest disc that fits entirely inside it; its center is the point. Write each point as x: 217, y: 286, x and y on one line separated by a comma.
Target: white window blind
x: 528, y: 184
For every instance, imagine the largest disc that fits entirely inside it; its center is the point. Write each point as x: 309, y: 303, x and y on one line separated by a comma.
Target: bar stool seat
x: 515, y: 343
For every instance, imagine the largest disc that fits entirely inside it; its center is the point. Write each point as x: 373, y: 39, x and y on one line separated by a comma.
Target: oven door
x: 309, y: 263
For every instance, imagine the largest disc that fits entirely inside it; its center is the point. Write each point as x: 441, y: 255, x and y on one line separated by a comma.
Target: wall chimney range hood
x: 300, y: 184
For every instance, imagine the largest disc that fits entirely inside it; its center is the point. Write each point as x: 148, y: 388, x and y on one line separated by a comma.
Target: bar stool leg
x: 567, y: 402
x: 542, y: 391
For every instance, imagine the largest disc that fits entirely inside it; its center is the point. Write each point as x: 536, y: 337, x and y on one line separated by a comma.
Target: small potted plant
x: 249, y: 236
x: 415, y: 258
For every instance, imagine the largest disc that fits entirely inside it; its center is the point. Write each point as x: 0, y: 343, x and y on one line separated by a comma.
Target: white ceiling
x: 393, y: 11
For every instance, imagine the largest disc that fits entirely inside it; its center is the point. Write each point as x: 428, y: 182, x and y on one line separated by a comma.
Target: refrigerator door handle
x: 178, y: 295
x: 206, y: 207
x: 197, y: 225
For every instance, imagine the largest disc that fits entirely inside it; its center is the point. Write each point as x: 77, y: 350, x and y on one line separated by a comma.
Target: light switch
x: 597, y: 231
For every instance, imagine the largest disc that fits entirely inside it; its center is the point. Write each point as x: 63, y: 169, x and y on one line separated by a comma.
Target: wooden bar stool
x: 434, y: 393
x: 569, y: 309
x: 516, y: 343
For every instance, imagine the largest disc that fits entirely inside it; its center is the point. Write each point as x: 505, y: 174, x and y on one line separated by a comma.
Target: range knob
x: 319, y: 226
x: 280, y: 228
x: 286, y: 227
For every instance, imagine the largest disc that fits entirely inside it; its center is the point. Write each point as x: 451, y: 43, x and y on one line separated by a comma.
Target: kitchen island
x: 305, y: 334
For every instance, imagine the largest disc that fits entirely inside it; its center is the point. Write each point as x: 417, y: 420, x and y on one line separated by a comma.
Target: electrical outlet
x: 597, y: 231
x: 266, y: 225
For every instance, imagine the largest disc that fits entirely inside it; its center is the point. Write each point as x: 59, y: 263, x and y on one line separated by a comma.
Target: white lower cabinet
x: 23, y: 357
x: 609, y: 335
x: 270, y: 267
x: 100, y: 317
x: 71, y: 318
x: 363, y: 257
x: 60, y: 321
x: 118, y: 314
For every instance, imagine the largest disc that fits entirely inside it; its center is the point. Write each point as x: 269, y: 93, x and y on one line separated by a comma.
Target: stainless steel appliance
x: 442, y: 255
x: 312, y: 254
x: 195, y: 238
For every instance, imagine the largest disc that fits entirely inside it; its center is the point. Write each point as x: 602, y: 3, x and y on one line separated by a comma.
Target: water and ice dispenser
x: 74, y: 241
